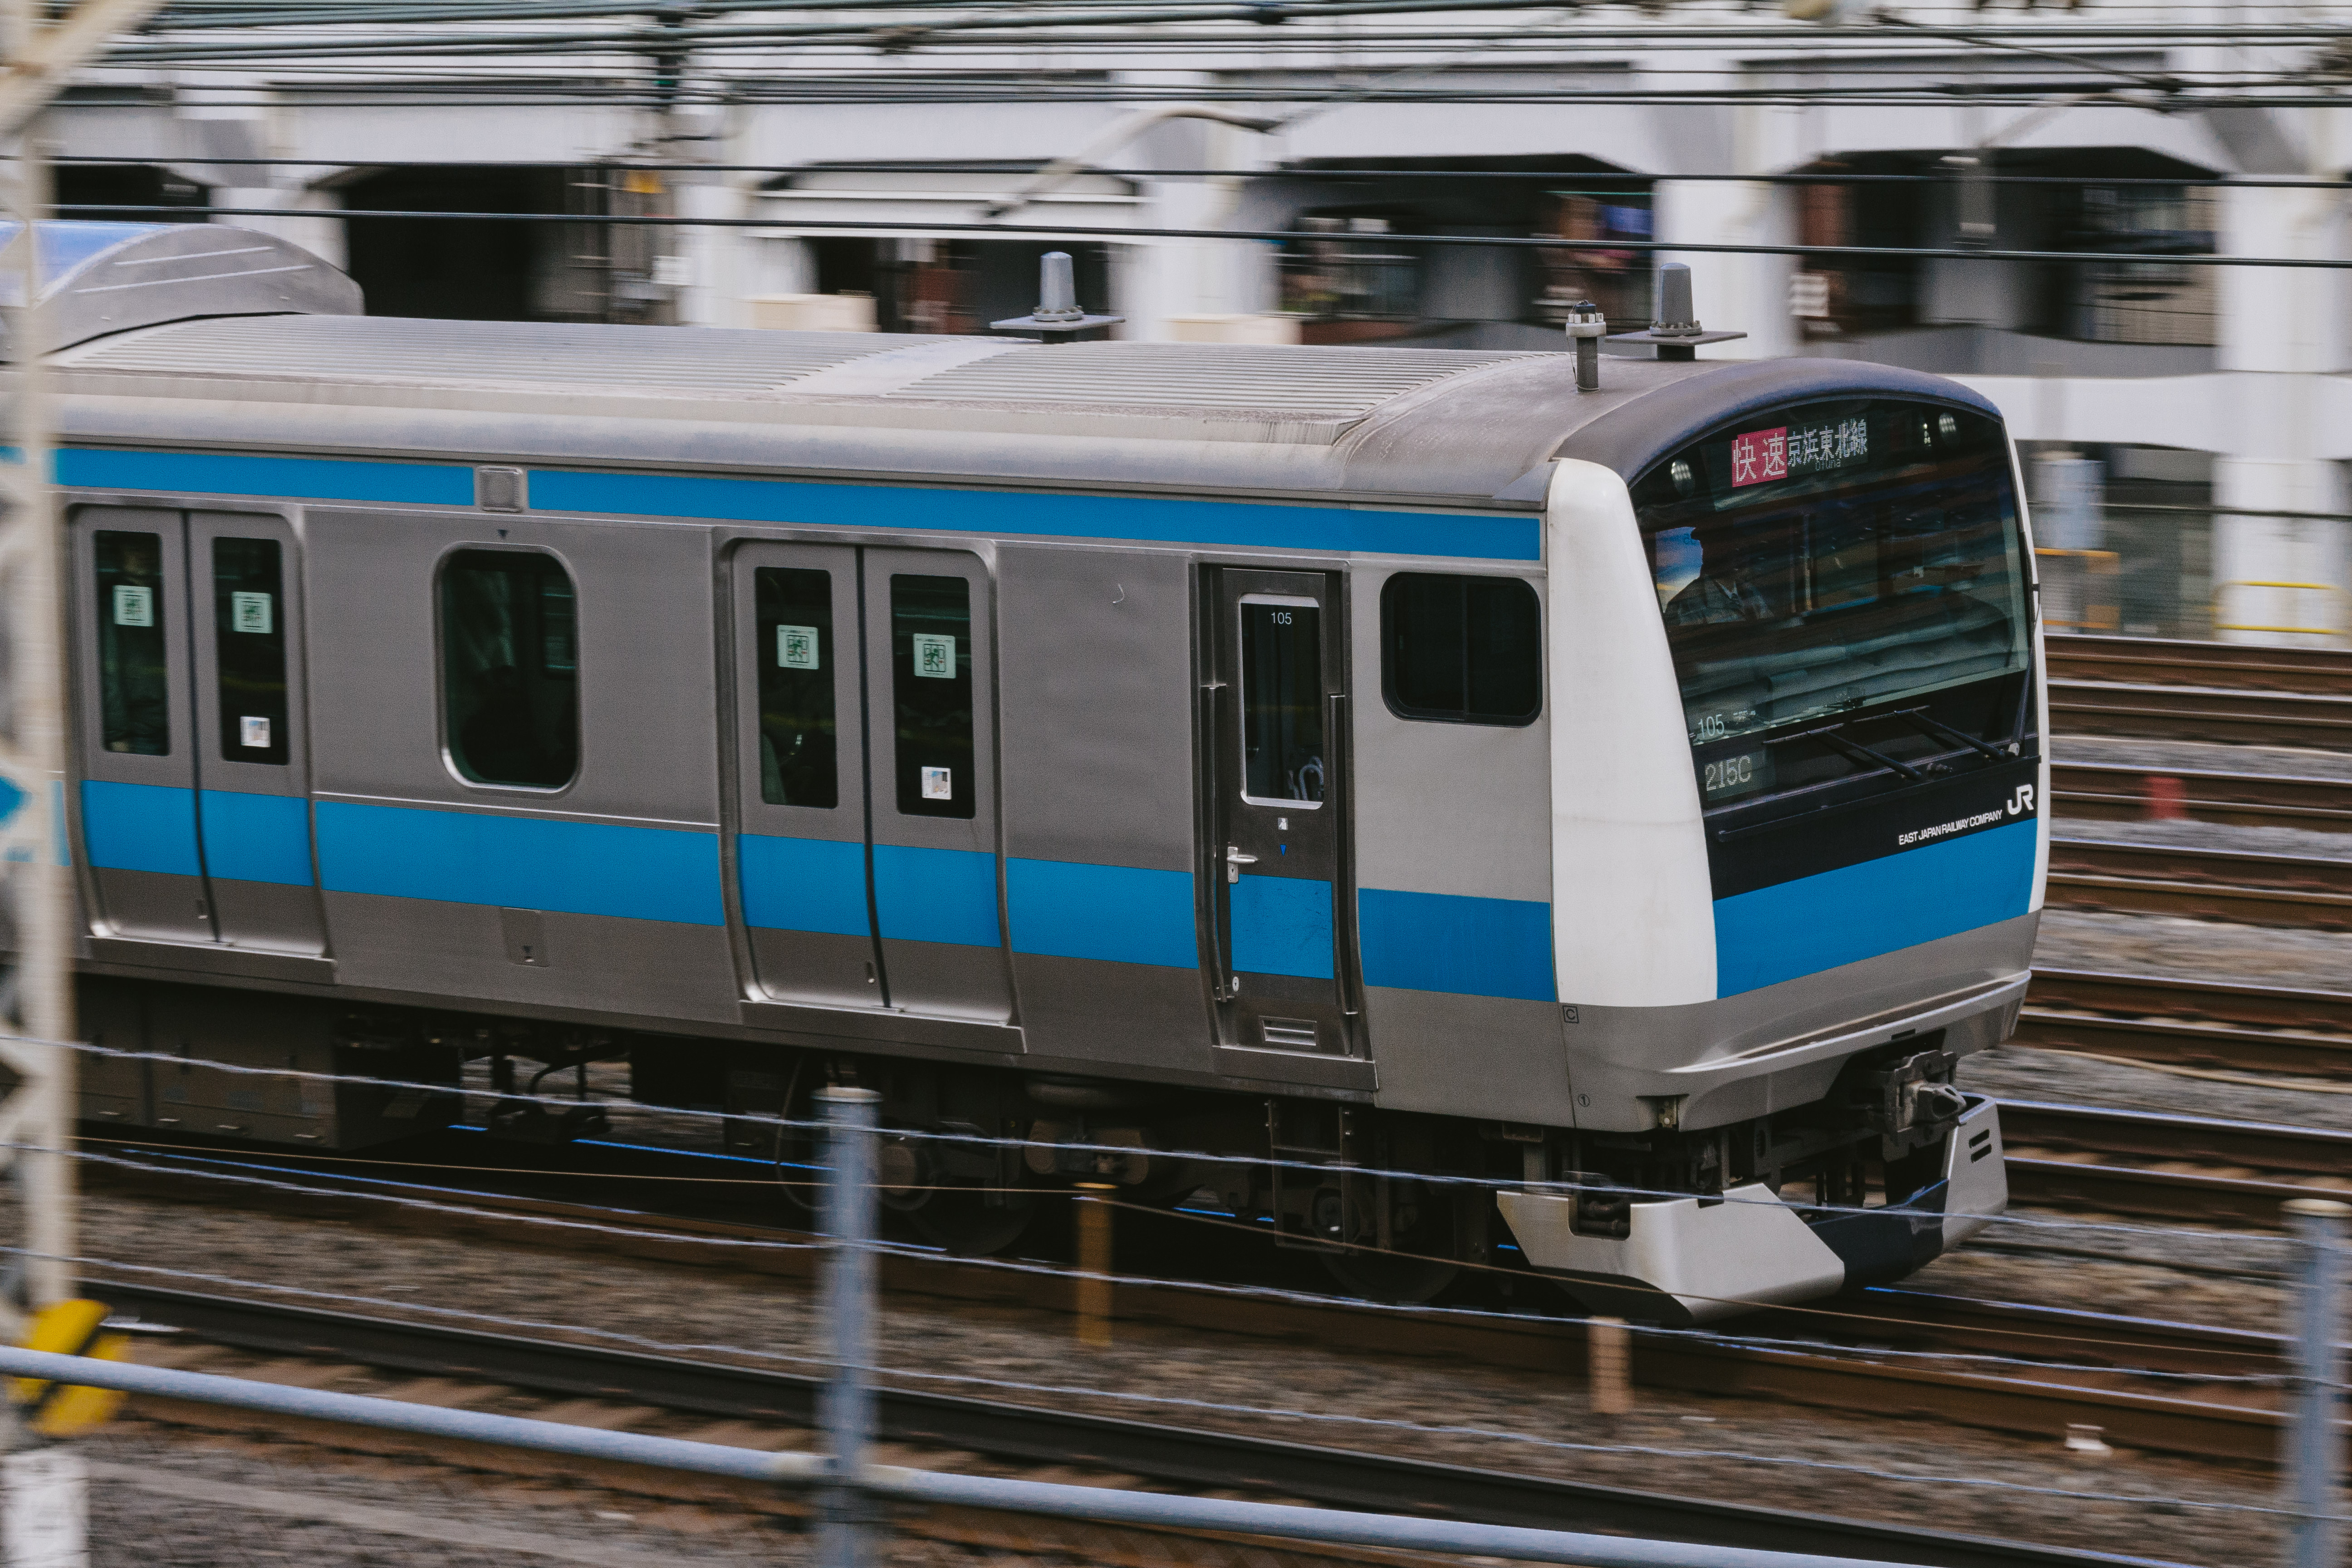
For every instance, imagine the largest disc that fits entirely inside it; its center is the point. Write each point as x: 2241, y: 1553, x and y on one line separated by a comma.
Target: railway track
x: 2302, y: 891
x: 2110, y: 792
x: 2238, y: 667
x: 2230, y: 1422
x: 2187, y: 1168
x: 2188, y: 1023
x: 2200, y: 692
x: 951, y: 1426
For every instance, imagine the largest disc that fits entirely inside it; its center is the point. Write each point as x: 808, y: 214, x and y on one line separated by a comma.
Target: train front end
x: 1799, y: 834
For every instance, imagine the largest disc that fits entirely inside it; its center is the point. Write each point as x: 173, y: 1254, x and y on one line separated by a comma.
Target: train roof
x: 1395, y: 425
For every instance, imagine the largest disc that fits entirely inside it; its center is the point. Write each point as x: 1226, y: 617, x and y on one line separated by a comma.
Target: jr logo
x: 2023, y: 800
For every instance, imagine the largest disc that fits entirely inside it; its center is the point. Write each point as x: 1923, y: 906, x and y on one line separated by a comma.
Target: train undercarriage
x: 1673, y: 1223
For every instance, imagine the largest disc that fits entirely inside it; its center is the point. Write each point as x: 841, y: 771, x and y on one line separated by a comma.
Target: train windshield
x: 1839, y: 579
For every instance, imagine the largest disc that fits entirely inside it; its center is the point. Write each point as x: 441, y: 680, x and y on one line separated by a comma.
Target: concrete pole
x: 2314, y: 1456
x: 847, y: 1415
x: 2284, y: 582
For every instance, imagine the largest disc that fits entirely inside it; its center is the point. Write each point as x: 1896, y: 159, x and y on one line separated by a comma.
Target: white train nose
x: 1699, y: 1259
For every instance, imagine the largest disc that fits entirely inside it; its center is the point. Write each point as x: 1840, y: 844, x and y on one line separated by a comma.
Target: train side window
x: 795, y: 651
x: 930, y: 688
x: 133, y: 669
x: 1467, y: 649
x: 510, y: 668
x: 249, y: 635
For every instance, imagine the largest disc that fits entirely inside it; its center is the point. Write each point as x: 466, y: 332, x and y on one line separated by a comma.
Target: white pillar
x: 2280, y: 328
x: 1741, y: 293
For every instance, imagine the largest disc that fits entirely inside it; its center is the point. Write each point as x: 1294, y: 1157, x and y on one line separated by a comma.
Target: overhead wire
x: 981, y: 228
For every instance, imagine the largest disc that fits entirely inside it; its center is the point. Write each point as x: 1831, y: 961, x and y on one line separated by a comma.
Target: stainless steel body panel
x: 1780, y: 1045
x: 136, y: 754
x: 622, y: 863
x: 597, y: 966
x: 801, y: 868
x: 254, y: 816
x: 937, y: 880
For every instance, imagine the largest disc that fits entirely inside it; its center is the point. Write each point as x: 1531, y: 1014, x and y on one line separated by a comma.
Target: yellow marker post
x: 68, y: 1410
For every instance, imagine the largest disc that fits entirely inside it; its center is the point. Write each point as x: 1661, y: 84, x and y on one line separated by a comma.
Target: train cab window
x: 134, y: 669
x: 1282, y: 701
x: 510, y: 668
x: 795, y: 650
x: 249, y: 639
x: 1842, y: 583
x: 931, y: 690
x: 1468, y: 649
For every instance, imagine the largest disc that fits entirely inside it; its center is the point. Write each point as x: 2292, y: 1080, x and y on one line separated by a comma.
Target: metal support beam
x: 38, y: 49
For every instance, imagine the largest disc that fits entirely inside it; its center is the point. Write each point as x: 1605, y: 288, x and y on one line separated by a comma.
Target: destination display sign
x: 1792, y: 451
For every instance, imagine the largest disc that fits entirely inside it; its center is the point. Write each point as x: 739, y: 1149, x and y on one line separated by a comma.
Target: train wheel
x: 970, y: 1225
x: 1386, y: 1277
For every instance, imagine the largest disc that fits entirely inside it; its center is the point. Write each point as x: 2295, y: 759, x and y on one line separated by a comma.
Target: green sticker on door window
x: 796, y: 648
x: 133, y: 605
x: 935, y: 656
x: 251, y: 612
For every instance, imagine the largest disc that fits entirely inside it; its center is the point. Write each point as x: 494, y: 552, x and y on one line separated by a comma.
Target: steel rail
x: 2239, y: 667
x: 1183, y: 1455
x: 2116, y: 791
x: 2142, y: 996
x: 2235, y: 1425
x: 2297, y: 891
x: 2172, y: 712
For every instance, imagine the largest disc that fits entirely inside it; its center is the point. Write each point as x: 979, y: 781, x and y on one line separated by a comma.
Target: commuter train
x: 1577, y: 830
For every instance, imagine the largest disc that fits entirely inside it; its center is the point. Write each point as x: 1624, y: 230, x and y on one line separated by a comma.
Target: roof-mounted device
x: 1057, y: 311
x: 1675, y: 327
x: 99, y: 278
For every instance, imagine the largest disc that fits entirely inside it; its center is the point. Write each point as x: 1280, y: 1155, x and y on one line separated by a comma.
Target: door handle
x: 1236, y: 860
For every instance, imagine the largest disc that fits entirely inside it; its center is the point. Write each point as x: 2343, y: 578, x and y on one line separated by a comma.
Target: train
x: 1439, y: 815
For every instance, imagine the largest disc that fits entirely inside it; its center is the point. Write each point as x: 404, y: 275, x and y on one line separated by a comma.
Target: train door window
x: 133, y: 665
x: 1469, y: 649
x: 932, y: 690
x: 249, y: 632
x: 797, y: 727
x: 1282, y: 701
x: 510, y: 668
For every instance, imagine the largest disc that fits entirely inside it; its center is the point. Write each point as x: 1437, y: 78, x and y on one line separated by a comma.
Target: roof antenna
x: 1675, y: 327
x: 1057, y: 311
x: 1586, y: 327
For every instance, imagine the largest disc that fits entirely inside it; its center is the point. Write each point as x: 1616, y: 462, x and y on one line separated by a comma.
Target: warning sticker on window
x: 796, y: 648
x: 939, y: 784
x: 251, y: 612
x: 935, y: 656
x: 253, y: 732
x: 133, y: 605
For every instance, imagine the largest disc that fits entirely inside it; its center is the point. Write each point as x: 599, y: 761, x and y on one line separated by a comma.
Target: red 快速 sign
x: 1759, y: 456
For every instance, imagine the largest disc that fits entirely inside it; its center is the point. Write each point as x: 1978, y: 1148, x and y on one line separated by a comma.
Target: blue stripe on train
x: 314, y: 479
x: 803, y: 884
x: 937, y: 895
x: 1878, y: 907
x: 1469, y: 946
x: 1469, y: 536
x: 1282, y: 925
x: 257, y: 837
x: 140, y: 827
x: 520, y: 862
x: 1118, y: 914
x: 1462, y: 535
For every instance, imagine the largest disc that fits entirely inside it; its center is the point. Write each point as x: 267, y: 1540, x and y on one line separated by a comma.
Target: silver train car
x: 1378, y: 765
